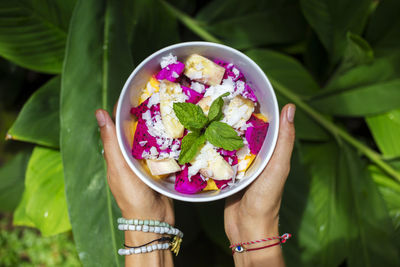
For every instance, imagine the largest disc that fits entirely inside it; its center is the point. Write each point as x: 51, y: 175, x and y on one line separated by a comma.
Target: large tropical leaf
x: 291, y: 73
x: 150, y: 27
x: 383, y: 27
x: 361, y: 101
x: 332, y: 19
x: 97, y: 63
x: 44, y: 204
x: 239, y: 23
x: 33, y: 32
x: 39, y: 122
x: 367, y: 216
x: 385, y: 129
x: 12, y: 176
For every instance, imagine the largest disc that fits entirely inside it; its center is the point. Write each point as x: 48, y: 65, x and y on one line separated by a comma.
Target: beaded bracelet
x: 151, y: 229
x: 143, y: 222
x: 143, y: 249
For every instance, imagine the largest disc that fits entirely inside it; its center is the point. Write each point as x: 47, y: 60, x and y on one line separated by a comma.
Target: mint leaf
x: 222, y: 135
x: 191, y: 116
x: 215, y: 113
x: 191, y: 144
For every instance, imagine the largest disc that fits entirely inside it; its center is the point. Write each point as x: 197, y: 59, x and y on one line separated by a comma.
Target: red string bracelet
x: 238, y: 247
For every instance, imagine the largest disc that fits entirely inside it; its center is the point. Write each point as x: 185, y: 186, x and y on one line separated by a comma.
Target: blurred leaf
x: 385, y: 129
x: 150, y: 27
x: 361, y: 101
x: 325, y: 205
x: 239, y: 23
x: 33, y: 33
x: 39, y: 122
x: 44, y: 203
x: 370, y: 229
x: 97, y: 63
x: 332, y: 19
x: 357, y: 52
x: 12, y: 176
x: 380, y: 70
x: 390, y: 191
x: 383, y: 27
x: 291, y: 73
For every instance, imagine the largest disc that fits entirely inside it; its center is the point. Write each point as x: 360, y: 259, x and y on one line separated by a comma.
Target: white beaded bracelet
x: 152, y: 229
x: 143, y: 249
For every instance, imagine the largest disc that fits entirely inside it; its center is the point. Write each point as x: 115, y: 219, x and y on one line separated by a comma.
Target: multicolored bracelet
x: 143, y: 249
x: 239, y: 247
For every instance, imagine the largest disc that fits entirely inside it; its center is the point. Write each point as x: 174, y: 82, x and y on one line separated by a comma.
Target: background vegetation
x: 337, y: 60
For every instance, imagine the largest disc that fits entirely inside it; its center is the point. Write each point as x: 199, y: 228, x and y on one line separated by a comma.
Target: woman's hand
x: 253, y: 214
x: 135, y: 199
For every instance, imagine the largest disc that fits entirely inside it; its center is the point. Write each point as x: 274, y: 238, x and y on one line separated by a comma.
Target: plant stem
x: 191, y: 23
x: 336, y: 130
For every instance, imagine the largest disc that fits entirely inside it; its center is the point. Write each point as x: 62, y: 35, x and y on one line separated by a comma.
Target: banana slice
x: 203, y: 70
x: 205, y: 104
x: 211, y: 164
x: 170, y: 93
x: 152, y: 86
x: 163, y: 166
x: 238, y: 111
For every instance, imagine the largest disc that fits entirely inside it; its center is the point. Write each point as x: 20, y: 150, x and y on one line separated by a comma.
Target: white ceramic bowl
x: 139, y: 78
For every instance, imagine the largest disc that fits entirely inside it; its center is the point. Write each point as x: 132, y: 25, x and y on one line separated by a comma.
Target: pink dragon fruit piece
x: 194, y: 96
x: 183, y: 185
x: 224, y: 152
x: 229, y: 156
x: 256, y: 133
x: 229, y: 70
x: 221, y: 184
x: 171, y: 72
x: 139, y: 110
x: 249, y: 93
x: 142, y: 140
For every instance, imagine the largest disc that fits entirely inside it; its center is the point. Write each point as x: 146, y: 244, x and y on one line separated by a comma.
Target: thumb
x: 112, y: 153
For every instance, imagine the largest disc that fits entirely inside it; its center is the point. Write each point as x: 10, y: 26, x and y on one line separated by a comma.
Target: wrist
x: 254, y: 229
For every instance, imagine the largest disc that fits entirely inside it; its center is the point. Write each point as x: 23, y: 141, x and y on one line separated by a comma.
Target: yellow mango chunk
x: 249, y: 159
x: 210, y: 185
x: 261, y: 117
x: 152, y: 86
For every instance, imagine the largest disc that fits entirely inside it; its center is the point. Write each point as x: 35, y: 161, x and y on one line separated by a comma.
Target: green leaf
x: 12, y: 176
x: 215, y: 112
x: 380, y: 70
x: 390, y: 191
x: 44, y: 201
x: 361, y: 101
x: 222, y: 135
x: 97, y: 63
x: 332, y: 19
x: 368, y: 220
x: 385, y: 129
x: 191, y: 144
x: 150, y: 27
x: 33, y: 33
x: 191, y: 116
x: 382, y: 30
x: 357, y: 52
x: 39, y: 122
x: 239, y: 23
x: 293, y: 75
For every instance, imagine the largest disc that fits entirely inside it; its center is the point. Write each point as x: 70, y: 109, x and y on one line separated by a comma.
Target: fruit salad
x: 197, y: 124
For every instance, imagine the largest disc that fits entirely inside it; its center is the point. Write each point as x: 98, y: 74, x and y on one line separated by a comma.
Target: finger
x: 274, y: 175
x: 115, y: 110
x: 112, y: 153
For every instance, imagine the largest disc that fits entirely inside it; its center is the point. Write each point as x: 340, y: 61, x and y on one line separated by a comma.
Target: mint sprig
x: 205, y: 128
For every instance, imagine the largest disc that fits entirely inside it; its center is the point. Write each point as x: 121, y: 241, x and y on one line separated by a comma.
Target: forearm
x: 155, y: 258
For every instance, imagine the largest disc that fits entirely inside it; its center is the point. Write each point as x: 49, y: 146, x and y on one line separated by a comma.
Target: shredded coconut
x: 168, y: 60
x: 153, y: 100
x: 198, y: 87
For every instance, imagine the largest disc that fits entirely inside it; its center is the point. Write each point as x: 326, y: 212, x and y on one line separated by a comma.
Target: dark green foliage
x: 337, y: 60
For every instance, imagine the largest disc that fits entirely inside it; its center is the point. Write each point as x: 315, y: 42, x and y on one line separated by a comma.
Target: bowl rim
x: 221, y: 195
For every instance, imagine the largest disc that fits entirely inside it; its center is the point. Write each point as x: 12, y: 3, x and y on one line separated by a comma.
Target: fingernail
x: 101, y: 120
x: 290, y: 113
